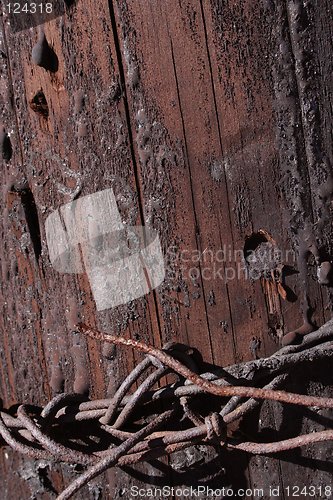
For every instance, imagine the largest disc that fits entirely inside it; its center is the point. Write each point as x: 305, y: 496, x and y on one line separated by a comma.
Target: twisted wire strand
x: 206, y: 385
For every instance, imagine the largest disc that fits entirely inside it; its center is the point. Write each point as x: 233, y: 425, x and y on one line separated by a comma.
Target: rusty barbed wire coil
x: 138, y: 426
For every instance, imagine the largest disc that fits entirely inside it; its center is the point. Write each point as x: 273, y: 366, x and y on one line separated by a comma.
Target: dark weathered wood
x: 211, y: 120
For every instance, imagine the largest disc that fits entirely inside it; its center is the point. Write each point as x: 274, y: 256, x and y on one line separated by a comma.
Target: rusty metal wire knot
x: 135, y: 426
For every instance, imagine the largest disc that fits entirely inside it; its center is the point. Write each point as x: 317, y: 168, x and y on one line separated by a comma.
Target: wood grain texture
x: 211, y: 120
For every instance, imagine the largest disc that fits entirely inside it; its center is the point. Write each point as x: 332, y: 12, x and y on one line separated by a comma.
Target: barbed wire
x: 134, y: 427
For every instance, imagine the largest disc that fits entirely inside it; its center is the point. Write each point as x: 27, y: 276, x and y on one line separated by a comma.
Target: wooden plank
x: 68, y: 153
x: 210, y: 120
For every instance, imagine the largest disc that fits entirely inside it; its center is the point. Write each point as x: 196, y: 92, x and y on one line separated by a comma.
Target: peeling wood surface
x: 211, y: 120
